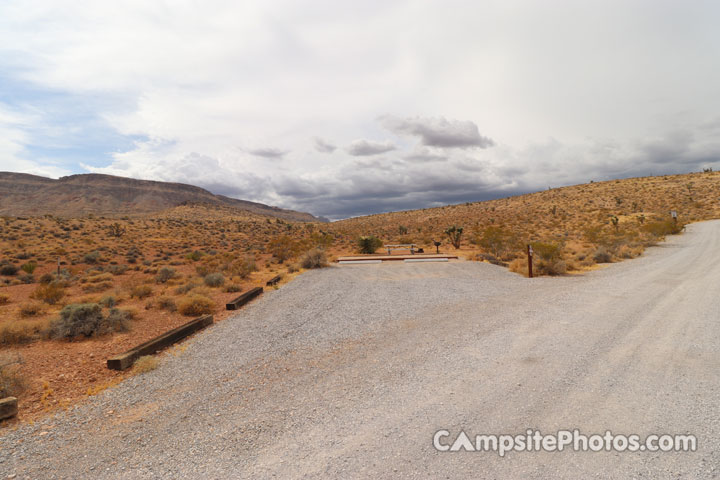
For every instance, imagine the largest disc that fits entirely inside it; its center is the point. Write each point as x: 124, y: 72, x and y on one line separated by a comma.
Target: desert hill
x: 77, y: 195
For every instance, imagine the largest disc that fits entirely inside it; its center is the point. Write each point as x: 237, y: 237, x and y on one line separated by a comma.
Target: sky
x: 346, y: 108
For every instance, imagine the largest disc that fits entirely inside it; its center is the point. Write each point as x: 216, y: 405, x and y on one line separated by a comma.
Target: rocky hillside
x: 76, y: 195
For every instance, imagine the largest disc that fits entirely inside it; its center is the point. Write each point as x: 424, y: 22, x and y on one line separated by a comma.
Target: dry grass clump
x: 195, y: 304
x: 315, y: 258
x: 50, y: 293
x: 144, y: 364
x: 31, y: 309
x: 141, y: 291
x: 16, y: 332
x: 4, y: 299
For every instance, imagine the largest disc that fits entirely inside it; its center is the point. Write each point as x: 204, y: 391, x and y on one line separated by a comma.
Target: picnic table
x: 405, y: 246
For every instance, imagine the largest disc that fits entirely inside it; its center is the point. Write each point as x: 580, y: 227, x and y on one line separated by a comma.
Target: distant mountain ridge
x: 76, y: 195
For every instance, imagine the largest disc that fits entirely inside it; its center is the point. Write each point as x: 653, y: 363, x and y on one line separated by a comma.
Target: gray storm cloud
x: 322, y: 146
x: 267, y: 152
x: 439, y: 132
x: 362, y: 148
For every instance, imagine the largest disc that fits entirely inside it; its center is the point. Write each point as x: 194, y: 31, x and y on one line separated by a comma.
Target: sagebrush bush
x: 195, y: 305
x: 87, y: 319
x: 315, y: 258
x: 92, y: 257
x: 369, y: 244
x: 8, y: 270
x: 4, y: 299
x: 214, y: 279
x: 108, y: 301
x: 601, y: 255
x: 164, y: 274
x: 50, y: 293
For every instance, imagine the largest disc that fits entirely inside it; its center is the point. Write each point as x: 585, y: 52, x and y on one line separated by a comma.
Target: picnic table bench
x: 407, y: 246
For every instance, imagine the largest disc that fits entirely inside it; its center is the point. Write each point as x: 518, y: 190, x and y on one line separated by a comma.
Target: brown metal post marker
x: 530, y: 255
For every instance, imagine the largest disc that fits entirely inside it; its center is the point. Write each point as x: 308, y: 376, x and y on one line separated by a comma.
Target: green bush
x: 29, y: 267
x: 369, y: 244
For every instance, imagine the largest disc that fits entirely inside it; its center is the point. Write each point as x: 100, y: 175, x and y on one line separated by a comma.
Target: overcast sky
x: 345, y: 108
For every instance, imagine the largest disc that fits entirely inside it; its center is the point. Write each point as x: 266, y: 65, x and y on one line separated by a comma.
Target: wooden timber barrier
x: 125, y: 360
x: 273, y: 280
x: 8, y: 407
x: 244, y: 298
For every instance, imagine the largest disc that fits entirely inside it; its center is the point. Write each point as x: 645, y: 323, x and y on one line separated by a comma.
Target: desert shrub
x: 96, y: 287
x: 167, y: 303
x: 546, y: 251
x: 8, y: 270
x: 31, y: 309
x: 183, y: 289
x: 140, y: 291
x: 214, y: 279
x: 194, y: 256
x: 50, y: 293
x: 242, y: 267
x: 29, y: 267
x: 314, y: 258
x: 4, y: 299
x: 97, y: 278
x: 664, y: 227
x: 454, y: 233
x: 283, y: 247
x: 369, y: 244
x: 117, y: 269
x: 146, y: 363
x: 601, y: 255
x: 18, y: 332
x: 495, y: 240
x: 12, y: 383
x: 232, y: 288
x: 164, y: 274
x: 47, y: 278
x: 86, y: 319
x: 92, y: 257
x: 108, y: 301
x: 27, y: 279
x: 195, y: 305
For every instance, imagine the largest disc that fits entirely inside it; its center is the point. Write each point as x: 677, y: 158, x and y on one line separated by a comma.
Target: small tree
x: 116, y: 230
x: 454, y: 233
x: 616, y: 222
x: 369, y: 244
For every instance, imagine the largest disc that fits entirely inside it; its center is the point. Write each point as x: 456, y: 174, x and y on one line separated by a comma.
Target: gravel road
x: 348, y: 372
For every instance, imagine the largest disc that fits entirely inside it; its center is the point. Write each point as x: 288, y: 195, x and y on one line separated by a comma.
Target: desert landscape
x: 149, y: 272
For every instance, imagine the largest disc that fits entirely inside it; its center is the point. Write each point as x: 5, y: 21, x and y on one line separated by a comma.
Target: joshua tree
x: 116, y: 230
x: 454, y: 234
x: 615, y: 221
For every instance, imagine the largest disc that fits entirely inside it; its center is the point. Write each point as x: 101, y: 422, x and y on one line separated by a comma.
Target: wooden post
x: 530, y: 255
x: 58, y: 274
